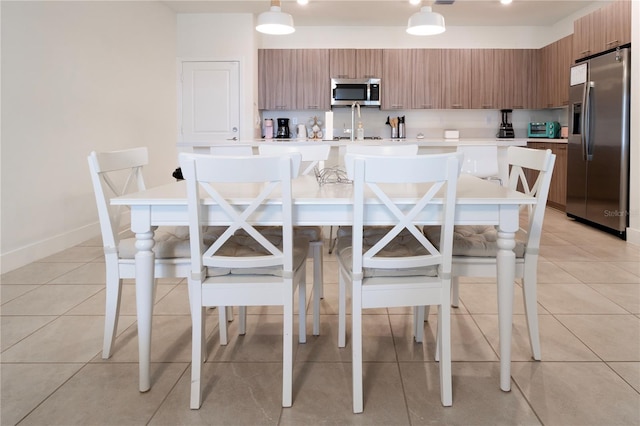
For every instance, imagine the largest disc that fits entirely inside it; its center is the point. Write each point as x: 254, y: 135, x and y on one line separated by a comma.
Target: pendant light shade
x: 426, y: 22
x: 275, y: 21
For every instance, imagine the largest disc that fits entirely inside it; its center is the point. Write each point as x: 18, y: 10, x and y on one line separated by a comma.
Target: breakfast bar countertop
x: 426, y: 142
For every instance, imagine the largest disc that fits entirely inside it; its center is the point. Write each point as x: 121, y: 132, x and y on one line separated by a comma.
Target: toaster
x: 548, y: 129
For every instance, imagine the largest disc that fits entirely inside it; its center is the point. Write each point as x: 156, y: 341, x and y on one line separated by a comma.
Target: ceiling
x: 397, y: 12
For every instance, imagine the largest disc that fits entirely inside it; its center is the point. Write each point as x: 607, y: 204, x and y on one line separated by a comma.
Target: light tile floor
x: 589, y: 305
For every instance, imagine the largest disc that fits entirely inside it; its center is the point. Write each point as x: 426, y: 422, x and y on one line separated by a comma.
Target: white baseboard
x: 633, y: 236
x: 41, y: 249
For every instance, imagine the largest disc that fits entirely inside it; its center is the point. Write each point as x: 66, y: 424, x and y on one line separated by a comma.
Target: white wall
x: 225, y: 37
x: 76, y: 77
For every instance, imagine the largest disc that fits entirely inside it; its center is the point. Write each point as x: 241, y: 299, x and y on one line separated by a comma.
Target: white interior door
x: 210, y: 101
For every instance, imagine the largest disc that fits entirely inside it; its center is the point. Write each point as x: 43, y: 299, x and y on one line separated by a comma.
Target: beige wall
x: 78, y: 76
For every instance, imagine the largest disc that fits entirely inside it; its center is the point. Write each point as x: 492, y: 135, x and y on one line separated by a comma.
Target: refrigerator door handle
x: 587, y: 143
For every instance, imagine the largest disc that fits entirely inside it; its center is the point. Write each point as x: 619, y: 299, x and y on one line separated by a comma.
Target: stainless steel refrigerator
x: 598, y: 145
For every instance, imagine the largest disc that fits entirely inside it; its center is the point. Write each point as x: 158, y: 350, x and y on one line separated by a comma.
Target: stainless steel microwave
x: 346, y: 91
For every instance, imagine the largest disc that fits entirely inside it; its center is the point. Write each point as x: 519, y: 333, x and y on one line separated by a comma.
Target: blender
x: 506, y: 128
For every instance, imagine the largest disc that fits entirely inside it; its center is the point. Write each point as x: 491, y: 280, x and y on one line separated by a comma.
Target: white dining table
x: 479, y: 202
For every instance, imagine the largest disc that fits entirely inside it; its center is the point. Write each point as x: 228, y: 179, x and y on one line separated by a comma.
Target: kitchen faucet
x: 353, y: 121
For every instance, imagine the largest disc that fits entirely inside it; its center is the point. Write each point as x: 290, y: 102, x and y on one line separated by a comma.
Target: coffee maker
x: 506, y: 128
x: 283, y: 129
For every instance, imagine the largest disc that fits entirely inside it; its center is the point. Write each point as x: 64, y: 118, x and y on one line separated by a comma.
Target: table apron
x: 143, y: 217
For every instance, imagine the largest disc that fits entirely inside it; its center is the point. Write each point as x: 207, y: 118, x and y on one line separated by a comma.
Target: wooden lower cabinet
x: 558, y: 189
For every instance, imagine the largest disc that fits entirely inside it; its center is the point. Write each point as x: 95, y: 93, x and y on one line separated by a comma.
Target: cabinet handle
x: 281, y: 107
x: 609, y: 43
x: 312, y: 107
x: 487, y: 106
x: 584, y: 52
x: 517, y: 107
x: 397, y: 106
x: 456, y: 106
x: 427, y: 106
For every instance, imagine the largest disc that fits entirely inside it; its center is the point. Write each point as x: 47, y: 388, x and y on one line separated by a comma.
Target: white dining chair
x: 481, y: 161
x: 384, y: 149
x: 475, y: 247
x: 113, y: 174
x: 398, y: 266
x: 248, y: 269
x: 313, y: 155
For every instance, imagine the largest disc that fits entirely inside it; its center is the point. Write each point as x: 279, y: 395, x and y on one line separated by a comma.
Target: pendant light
x: 426, y: 22
x: 275, y: 21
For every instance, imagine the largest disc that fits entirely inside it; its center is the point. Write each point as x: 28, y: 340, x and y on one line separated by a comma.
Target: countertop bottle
x: 360, y: 132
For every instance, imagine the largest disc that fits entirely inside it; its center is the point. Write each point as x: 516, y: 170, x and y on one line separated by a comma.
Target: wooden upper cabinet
x: 615, y: 20
x: 396, y: 79
x: 293, y: 79
x: 355, y: 63
x: 369, y: 63
x: 277, y: 79
x: 313, y: 81
x: 554, y: 69
x: 603, y: 29
x: 519, y: 73
x: 584, y: 32
x: 547, y: 76
x: 342, y: 63
x: 456, y: 78
x: 426, y: 82
x: 563, y: 70
x: 487, y: 78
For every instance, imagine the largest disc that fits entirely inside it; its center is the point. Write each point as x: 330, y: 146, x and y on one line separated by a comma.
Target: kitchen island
x: 426, y: 146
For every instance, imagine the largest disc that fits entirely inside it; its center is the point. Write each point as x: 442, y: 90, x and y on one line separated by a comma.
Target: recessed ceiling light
x: 303, y: 2
x: 414, y: 2
x: 506, y: 1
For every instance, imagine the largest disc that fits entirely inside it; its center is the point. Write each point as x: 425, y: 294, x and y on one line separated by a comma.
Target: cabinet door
x: 278, y: 79
x: 615, y: 20
x: 427, y: 81
x: 520, y: 76
x: 456, y: 78
x: 584, y: 35
x: 313, y: 82
x: 396, y: 77
x: 547, y: 76
x: 558, y: 188
x: 342, y: 63
x: 369, y: 63
x: 355, y: 63
x: 559, y: 177
x: 563, y: 71
x: 486, y: 89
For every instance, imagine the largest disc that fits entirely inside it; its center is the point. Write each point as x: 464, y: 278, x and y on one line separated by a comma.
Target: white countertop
x: 438, y: 142
x: 547, y: 140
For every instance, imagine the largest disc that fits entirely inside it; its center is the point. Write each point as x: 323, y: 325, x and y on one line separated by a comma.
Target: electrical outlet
x: 294, y: 121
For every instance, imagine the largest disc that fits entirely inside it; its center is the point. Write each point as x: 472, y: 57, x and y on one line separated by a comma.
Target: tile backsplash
x: 431, y: 123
